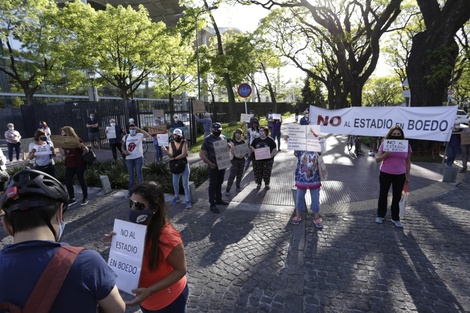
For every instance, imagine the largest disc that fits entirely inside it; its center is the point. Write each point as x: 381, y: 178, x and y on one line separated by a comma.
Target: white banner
x: 424, y: 123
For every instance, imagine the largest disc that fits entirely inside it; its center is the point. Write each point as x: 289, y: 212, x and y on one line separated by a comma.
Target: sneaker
x: 188, y: 205
x: 267, y: 187
x: 379, y: 220
x: 72, y: 201
x: 397, y: 224
x: 318, y: 222
x: 222, y: 202
x: 214, y: 209
x: 258, y: 186
x: 463, y: 170
x: 239, y: 189
x: 84, y: 202
x: 296, y: 220
x: 227, y: 193
x: 175, y: 200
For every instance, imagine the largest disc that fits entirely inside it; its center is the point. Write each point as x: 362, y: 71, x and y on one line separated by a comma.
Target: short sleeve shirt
x: 134, y: 146
x: 89, y: 279
x: 208, y: 146
x: 395, y: 163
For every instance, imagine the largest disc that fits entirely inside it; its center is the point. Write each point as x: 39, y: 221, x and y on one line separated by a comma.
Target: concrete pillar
x: 105, y: 184
x: 192, y: 191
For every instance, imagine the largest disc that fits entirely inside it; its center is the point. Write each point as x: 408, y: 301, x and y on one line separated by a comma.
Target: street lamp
x: 197, y: 52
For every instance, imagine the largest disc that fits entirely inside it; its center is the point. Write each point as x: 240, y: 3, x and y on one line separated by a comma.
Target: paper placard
x: 245, y: 117
x: 276, y: 116
x: 198, y: 106
x: 394, y: 145
x: 66, y: 142
x: 153, y: 130
x: 263, y: 153
x: 126, y: 253
x: 158, y: 113
x: 222, y: 154
x: 111, y: 132
x: 305, y: 138
x: 465, y: 138
x: 241, y: 150
x: 42, y: 150
x: 162, y: 140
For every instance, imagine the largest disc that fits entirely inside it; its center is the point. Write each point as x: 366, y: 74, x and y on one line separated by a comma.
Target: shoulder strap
x: 51, y: 280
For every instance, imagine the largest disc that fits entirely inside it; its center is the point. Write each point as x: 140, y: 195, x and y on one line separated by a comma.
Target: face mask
x: 238, y: 136
x: 112, y: 124
x: 216, y: 133
x: 176, y: 119
x: 43, y: 138
x: 41, y: 125
x: 177, y: 138
x: 395, y: 137
x: 92, y: 117
x: 140, y: 217
x: 61, y: 230
x: 262, y: 134
x: 132, y: 132
x: 11, y: 128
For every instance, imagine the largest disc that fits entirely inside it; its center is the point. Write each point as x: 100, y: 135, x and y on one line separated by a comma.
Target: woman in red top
x: 74, y: 165
x: 163, y: 285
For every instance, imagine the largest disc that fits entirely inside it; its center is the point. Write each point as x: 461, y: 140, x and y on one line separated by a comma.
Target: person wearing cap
x: 13, y: 138
x: 206, y: 122
x: 133, y: 150
x: 114, y: 133
x: 34, y: 204
x: 131, y: 121
x: 216, y: 175
x: 178, y: 150
x: 4, y: 176
x: 158, y: 148
x: 176, y: 122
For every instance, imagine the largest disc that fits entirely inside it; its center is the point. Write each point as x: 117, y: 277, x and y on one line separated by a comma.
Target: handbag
x: 89, y: 158
x: 403, y: 201
x: 178, y: 166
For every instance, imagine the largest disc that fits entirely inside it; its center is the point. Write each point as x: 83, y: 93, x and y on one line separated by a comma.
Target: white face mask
x: 262, y: 134
x: 112, y: 124
x: 11, y: 128
x: 92, y: 117
x: 132, y: 132
x: 61, y: 230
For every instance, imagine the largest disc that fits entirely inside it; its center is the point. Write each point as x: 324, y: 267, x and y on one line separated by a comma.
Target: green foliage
x: 382, y: 91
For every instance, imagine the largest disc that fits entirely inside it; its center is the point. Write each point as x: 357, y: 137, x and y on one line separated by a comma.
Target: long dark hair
x: 153, y: 193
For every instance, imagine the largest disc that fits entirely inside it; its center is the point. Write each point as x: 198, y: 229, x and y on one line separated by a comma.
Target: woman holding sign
x: 163, y: 285
x: 395, y: 172
x: 238, y: 161
x: 42, y: 151
x: 264, y: 150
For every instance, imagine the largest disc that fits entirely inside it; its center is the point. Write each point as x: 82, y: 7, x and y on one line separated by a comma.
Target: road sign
x: 244, y: 90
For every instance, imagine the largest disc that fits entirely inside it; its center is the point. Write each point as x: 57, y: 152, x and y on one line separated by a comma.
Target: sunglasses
x: 138, y: 205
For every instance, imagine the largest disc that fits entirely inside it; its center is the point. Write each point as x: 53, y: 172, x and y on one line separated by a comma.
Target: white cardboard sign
x: 126, y: 253
x: 394, y: 145
x: 263, y: 153
x: 245, y: 117
x: 222, y: 154
x: 162, y: 140
x: 305, y: 138
x: 42, y: 149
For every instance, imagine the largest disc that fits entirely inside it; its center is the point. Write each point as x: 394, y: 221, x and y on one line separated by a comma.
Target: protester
x: 269, y: 118
x: 74, y: 166
x: 238, y: 162
x: 45, y: 128
x: 305, y: 120
x: 176, y: 122
x: 93, y: 127
x: 133, y: 150
x: 163, y: 285
x: 297, y: 112
x: 395, y: 172
x: 114, y: 133
x: 216, y: 175
x: 13, y: 138
x: 307, y: 177
x: 253, y: 134
x: 156, y: 144
x: 206, y: 122
x: 34, y: 207
x: 453, y: 146
x: 465, y: 149
x: 263, y: 168
x: 178, y: 150
x: 131, y: 121
x: 276, y: 132
x: 43, y: 153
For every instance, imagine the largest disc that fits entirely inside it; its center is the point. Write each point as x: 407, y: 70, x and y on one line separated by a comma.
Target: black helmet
x: 37, y: 186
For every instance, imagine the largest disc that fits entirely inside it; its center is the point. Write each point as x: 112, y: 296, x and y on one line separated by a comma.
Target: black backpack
x: 89, y: 158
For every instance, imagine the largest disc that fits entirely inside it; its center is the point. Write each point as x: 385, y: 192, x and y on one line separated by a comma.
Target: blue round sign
x: 244, y: 90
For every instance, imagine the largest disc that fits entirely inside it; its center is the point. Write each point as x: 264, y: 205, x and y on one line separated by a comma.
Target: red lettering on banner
x: 334, y: 121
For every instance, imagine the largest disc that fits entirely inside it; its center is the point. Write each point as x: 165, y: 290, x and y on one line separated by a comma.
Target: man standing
x: 34, y: 204
x: 114, y: 133
x: 93, y: 131
x: 216, y: 176
x: 206, y: 123
x: 305, y: 120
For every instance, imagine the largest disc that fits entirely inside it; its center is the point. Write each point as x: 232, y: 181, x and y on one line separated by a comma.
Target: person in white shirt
x: 133, y: 150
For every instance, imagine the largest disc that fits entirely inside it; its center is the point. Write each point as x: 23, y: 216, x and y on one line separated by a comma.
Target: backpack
x: 89, y: 158
x: 49, y: 284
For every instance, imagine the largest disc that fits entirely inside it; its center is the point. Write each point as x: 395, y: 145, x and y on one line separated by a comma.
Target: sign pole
x: 246, y: 109
x: 244, y: 91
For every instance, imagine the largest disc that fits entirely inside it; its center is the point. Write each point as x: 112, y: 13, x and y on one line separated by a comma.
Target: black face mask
x: 140, y: 217
x: 395, y: 137
x: 216, y: 133
x: 177, y: 138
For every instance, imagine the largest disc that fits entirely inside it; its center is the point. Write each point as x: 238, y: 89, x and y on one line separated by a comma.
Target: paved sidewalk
x: 250, y: 258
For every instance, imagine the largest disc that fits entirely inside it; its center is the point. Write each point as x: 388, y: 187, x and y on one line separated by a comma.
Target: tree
x: 383, y: 91
x: 31, y: 25
x: 434, y: 50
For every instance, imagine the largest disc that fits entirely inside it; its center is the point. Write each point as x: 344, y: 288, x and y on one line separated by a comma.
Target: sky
x: 243, y: 17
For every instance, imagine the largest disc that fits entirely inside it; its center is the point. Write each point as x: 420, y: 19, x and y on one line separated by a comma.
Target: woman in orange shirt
x: 163, y: 285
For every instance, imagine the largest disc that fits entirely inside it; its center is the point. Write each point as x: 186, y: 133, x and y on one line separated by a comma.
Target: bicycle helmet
x: 40, y: 188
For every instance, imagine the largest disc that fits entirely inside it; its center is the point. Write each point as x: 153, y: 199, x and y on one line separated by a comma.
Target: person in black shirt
x: 262, y: 168
x: 238, y: 162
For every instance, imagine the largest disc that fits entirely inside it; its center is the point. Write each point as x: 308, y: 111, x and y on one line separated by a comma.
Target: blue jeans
x: 177, y: 306
x: 136, y: 164
x: 158, y: 152
x: 276, y: 135
x: 12, y: 146
x: 176, y: 183
x: 216, y: 179
x: 300, y: 199
x: 452, y: 152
